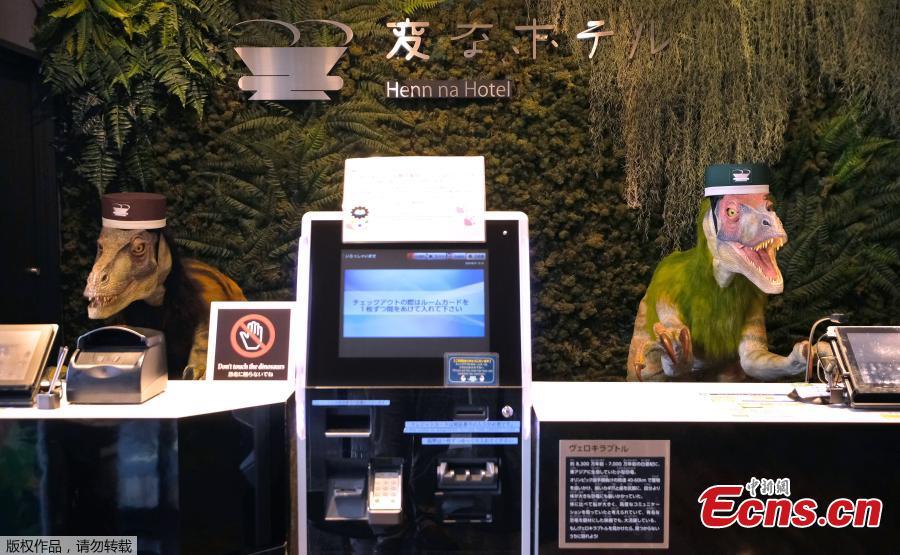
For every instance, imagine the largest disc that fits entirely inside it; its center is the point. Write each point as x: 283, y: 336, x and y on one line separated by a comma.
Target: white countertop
x: 552, y: 401
x: 179, y: 400
x: 688, y: 402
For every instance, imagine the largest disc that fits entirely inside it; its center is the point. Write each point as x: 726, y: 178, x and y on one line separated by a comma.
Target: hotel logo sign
x: 292, y: 72
x: 302, y: 72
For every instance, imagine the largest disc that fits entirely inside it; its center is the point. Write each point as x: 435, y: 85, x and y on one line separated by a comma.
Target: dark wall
x: 30, y: 208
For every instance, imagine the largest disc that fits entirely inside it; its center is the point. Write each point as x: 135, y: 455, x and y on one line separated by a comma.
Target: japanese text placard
x: 414, y: 198
x: 250, y: 341
x: 614, y: 494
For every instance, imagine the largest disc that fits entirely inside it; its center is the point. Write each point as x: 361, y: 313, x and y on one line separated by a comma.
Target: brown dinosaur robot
x: 139, y: 279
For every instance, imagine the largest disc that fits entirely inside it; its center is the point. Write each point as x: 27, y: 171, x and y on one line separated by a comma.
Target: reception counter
x: 206, y: 468
x: 203, y: 467
x: 677, y: 440
x: 181, y: 399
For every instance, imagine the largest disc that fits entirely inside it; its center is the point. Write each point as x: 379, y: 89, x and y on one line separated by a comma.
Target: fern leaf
x: 111, y: 7
x: 70, y: 10
x: 119, y: 125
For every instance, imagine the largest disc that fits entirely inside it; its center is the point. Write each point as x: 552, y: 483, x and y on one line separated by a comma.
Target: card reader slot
x: 345, y: 490
x: 345, y: 498
x: 466, y: 514
x: 348, y: 422
x: 470, y: 412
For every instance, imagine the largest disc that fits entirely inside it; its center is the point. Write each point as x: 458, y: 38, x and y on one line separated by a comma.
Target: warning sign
x: 252, y: 336
x: 250, y: 341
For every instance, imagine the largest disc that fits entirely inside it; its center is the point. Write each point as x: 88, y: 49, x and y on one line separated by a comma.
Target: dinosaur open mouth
x: 762, y: 257
x: 102, y: 300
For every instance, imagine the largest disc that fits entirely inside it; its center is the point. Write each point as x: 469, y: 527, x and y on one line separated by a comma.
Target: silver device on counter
x: 117, y: 365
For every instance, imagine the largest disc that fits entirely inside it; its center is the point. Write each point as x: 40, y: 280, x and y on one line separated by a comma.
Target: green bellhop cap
x: 736, y: 179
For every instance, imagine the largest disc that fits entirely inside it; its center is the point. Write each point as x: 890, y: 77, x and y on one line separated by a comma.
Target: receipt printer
x: 117, y: 365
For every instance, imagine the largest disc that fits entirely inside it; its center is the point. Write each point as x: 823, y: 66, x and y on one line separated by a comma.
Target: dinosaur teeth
x: 775, y: 242
x: 102, y: 299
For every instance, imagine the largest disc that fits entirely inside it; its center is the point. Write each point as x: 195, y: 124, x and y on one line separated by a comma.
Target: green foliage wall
x: 239, y: 174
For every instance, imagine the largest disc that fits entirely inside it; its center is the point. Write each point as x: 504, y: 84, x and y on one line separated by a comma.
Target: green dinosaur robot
x: 703, y: 316
x: 139, y: 279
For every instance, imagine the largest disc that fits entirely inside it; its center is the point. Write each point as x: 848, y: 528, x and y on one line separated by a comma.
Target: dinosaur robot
x: 703, y: 316
x: 139, y: 279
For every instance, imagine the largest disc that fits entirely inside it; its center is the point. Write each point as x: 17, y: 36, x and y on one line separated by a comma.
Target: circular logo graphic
x: 252, y: 336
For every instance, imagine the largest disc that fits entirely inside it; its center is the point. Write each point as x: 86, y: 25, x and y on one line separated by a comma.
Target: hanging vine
x: 724, y: 86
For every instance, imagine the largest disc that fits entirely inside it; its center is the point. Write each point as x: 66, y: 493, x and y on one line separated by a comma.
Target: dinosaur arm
x: 673, y: 339
x: 668, y: 314
x: 212, y: 285
x: 197, y: 357
x: 757, y: 361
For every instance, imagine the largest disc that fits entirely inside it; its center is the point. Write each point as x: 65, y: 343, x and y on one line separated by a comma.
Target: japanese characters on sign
x: 250, y: 341
x: 613, y: 493
x: 592, y: 32
x: 472, y: 27
x: 410, y: 37
x: 411, y: 42
x: 302, y: 73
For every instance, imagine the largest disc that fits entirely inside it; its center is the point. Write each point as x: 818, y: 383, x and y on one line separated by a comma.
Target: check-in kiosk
x: 413, y: 392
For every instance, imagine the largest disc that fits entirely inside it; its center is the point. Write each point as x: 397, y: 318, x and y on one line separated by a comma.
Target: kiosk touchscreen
x: 869, y: 357
x: 413, y: 385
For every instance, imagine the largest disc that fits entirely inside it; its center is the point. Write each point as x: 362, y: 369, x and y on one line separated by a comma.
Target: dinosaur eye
x: 730, y: 212
x: 137, y: 249
x: 99, y: 248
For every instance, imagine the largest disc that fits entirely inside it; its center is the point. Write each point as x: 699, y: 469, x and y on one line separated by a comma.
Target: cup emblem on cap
x: 120, y: 210
x: 740, y: 176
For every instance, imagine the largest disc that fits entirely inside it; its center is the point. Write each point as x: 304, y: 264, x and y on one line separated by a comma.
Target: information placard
x: 613, y: 494
x: 471, y: 369
x: 421, y: 198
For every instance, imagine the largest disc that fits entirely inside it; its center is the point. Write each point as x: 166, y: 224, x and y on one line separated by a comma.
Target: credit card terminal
x: 385, y: 491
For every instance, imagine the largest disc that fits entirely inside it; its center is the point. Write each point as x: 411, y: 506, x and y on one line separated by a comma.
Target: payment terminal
x: 413, y: 390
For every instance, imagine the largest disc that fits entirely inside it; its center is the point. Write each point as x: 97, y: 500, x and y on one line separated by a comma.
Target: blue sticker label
x: 351, y: 402
x: 461, y: 427
x: 471, y: 369
x: 470, y: 440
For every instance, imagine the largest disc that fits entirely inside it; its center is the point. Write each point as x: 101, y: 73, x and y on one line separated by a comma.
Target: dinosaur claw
x: 670, y: 349
x: 677, y: 344
x: 686, y: 344
x: 665, y: 338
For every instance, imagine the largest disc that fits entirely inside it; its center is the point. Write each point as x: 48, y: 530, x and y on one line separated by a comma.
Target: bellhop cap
x: 133, y: 210
x: 736, y: 179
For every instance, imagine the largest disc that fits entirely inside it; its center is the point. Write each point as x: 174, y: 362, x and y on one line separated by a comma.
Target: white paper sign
x: 414, y: 198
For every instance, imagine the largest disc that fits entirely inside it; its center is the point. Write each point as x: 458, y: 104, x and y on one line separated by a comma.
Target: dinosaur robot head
x: 131, y: 265
x: 744, y: 233
x: 133, y: 257
x: 741, y: 227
